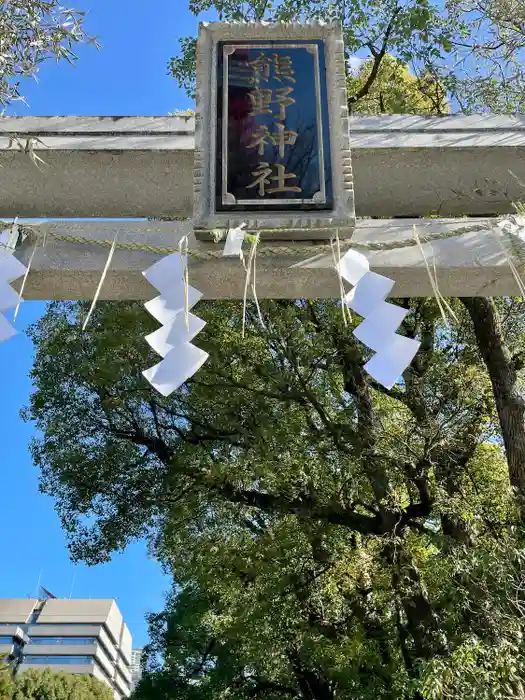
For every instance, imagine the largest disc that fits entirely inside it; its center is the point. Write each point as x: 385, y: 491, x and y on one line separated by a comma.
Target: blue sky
x: 127, y: 77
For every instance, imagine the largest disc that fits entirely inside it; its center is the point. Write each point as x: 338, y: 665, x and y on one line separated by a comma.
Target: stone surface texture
x: 343, y: 214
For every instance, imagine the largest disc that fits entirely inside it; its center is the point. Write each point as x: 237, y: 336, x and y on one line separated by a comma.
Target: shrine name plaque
x: 272, y: 145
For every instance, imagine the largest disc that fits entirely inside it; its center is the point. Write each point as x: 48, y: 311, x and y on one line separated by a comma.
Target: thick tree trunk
x: 422, y: 623
x: 311, y: 685
x: 456, y: 529
x: 510, y: 402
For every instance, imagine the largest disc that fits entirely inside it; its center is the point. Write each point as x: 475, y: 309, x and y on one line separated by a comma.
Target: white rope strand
x: 101, y: 283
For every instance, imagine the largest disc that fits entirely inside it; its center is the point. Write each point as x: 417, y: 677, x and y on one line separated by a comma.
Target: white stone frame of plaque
x: 306, y: 225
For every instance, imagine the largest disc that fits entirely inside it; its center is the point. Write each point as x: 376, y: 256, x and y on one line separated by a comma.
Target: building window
x: 49, y: 660
x: 63, y: 640
x: 6, y: 640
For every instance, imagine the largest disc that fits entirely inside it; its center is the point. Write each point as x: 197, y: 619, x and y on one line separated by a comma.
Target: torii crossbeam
x: 141, y: 167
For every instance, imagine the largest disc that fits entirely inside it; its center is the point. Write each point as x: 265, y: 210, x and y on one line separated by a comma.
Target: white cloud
x: 355, y: 63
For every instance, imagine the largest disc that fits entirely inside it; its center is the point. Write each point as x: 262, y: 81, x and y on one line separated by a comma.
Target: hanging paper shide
x: 181, y: 359
x: 394, y: 352
x: 234, y: 241
x: 10, y: 270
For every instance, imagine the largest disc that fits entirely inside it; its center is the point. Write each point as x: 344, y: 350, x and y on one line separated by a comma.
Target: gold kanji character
x: 282, y: 137
x: 263, y: 64
x: 261, y: 138
x: 284, y: 100
x: 281, y: 178
x: 261, y: 68
x: 261, y: 100
x: 262, y: 172
x: 282, y: 66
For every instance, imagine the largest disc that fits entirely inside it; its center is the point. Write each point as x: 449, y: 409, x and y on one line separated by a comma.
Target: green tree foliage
x: 408, y: 30
x: 328, y: 538
x: 474, y: 50
x: 394, y: 90
x: 6, y: 682
x: 489, y: 55
x: 45, y: 684
x: 30, y: 32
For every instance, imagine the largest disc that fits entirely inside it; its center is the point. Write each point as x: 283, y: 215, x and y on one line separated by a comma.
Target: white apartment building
x: 73, y: 635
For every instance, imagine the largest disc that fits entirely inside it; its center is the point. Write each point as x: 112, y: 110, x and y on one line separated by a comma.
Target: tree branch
x: 378, y: 57
x: 198, y: 669
x: 263, y: 686
x: 384, y: 522
x: 509, y: 399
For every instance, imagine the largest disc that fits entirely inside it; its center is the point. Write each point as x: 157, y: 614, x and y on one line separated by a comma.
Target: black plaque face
x: 273, y: 145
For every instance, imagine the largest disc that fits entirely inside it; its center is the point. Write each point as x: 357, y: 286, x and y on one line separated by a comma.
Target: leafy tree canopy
x: 6, y: 682
x: 45, y: 684
x: 474, y: 50
x: 329, y: 539
x: 393, y: 89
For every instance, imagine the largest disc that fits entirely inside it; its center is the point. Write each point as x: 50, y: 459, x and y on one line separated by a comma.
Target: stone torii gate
x: 118, y: 173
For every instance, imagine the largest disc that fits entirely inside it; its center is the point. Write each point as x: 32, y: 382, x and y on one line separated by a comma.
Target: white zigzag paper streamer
x: 381, y: 320
x: 181, y: 359
x: 10, y: 270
